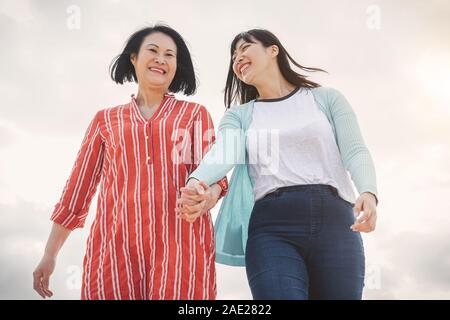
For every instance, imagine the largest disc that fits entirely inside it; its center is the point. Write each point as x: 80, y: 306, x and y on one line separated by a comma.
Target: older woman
x: 141, y: 153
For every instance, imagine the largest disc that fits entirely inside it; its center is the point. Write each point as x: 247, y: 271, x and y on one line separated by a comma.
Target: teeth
x: 157, y: 70
x: 244, y: 67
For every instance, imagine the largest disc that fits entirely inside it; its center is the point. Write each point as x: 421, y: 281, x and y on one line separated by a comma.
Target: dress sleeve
x: 73, y: 206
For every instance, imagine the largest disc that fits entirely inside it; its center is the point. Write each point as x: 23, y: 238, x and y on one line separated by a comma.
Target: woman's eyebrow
x: 242, y: 44
x: 152, y: 44
x: 239, y: 47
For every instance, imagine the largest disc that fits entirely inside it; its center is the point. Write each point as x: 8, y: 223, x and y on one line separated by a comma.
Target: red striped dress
x: 137, y: 247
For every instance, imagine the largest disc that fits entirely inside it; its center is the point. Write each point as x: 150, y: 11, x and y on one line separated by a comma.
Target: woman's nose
x: 159, y: 60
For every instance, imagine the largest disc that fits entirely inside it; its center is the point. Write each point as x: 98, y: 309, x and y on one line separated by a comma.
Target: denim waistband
x: 302, y: 187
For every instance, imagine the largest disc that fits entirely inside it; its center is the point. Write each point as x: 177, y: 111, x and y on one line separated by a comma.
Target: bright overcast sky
x: 391, y: 59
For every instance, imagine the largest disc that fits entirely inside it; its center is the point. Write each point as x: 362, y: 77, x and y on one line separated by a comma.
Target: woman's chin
x: 247, y: 80
x: 152, y: 82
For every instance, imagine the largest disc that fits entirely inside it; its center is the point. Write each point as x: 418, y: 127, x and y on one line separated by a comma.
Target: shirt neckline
x: 135, y: 107
x: 279, y: 99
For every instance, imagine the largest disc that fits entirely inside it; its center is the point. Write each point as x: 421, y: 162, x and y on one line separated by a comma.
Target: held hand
x: 41, y: 276
x: 196, y: 199
x: 366, y: 203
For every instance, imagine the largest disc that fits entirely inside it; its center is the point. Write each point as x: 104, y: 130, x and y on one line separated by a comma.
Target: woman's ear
x: 275, y: 51
x: 133, y: 58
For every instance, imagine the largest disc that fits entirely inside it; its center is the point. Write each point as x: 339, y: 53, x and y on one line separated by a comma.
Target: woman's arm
x: 227, y: 150
x: 214, y: 158
x: 357, y: 160
x: 43, y: 271
x: 71, y: 210
x: 196, y: 199
x: 355, y: 155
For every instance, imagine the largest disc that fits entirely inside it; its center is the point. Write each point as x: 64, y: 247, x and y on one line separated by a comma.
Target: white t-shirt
x: 290, y: 142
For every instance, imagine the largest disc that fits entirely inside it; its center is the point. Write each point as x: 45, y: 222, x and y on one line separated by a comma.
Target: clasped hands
x: 196, y: 199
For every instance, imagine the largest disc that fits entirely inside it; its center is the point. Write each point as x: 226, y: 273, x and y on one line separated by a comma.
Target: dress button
x: 148, y: 158
x: 146, y: 137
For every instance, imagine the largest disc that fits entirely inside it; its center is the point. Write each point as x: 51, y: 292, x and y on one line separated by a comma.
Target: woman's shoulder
x: 327, y: 93
x: 190, y: 106
x: 104, y: 112
x: 240, y: 109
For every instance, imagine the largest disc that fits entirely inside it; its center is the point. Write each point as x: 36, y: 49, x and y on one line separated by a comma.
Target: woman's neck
x: 274, y: 89
x: 148, y: 98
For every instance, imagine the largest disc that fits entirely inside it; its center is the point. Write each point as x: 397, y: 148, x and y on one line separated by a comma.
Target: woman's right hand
x: 41, y: 276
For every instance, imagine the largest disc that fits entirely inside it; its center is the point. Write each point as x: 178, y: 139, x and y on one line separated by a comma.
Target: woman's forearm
x: 227, y: 151
x: 216, y: 191
x: 58, y: 236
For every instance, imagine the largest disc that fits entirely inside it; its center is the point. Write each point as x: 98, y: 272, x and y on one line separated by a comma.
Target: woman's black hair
x: 237, y: 90
x: 122, y: 70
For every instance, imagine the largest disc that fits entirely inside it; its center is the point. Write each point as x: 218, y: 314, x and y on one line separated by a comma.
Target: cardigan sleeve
x: 355, y: 155
x: 73, y: 206
x: 203, y: 137
x: 227, y: 151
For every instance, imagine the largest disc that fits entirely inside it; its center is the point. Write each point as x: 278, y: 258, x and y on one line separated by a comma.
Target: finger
x: 362, y: 227
x: 45, y: 283
x: 358, y: 207
x: 199, y: 197
x: 196, y: 198
x: 192, y: 218
x: 182, y: 210
x: 188, y: 190
x: 364, y: 217
x: 192, y: 196
x: 189, y: 202
x: 188, y: 210
x: 372, y: 224
x: 36, y: 280
x: 204, y: 185
x: 199, y: 188
x: 41, y: 292
x: 366, y: 229
x: 357, y: 224
x: 188, y: 218
x: 197, y: 208
x: 37, y: 283
x: 359, y: 228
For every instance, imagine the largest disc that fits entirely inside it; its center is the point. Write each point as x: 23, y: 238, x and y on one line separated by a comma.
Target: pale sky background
x: 390, y: 58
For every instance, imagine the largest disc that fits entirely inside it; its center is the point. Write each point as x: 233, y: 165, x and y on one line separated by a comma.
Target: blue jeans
x: 300, y: 246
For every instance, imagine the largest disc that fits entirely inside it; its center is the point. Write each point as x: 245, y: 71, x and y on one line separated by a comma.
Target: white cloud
x: 54, y: 79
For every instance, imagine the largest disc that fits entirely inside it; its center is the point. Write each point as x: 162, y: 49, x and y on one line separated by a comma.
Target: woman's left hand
x: 368, y: 220
x: 196, y: 199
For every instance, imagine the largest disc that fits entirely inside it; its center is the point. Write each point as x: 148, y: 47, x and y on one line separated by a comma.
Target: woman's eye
x: 152, y: 50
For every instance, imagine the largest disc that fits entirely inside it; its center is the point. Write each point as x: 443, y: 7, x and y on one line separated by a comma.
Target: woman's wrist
x: 216, y: 190
x: 50, y: 254
x: 372, y: 195
x: 189, y: 179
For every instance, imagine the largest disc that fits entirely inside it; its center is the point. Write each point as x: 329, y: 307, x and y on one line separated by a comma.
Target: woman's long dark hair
x: 237, y: 91
x: 122, y: 70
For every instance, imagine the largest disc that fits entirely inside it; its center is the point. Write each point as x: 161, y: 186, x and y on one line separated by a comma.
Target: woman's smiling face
x: 156, y: 62
x: 250, y: 60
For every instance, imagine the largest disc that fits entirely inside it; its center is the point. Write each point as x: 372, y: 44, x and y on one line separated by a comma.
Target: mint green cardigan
x: 229, y: 151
